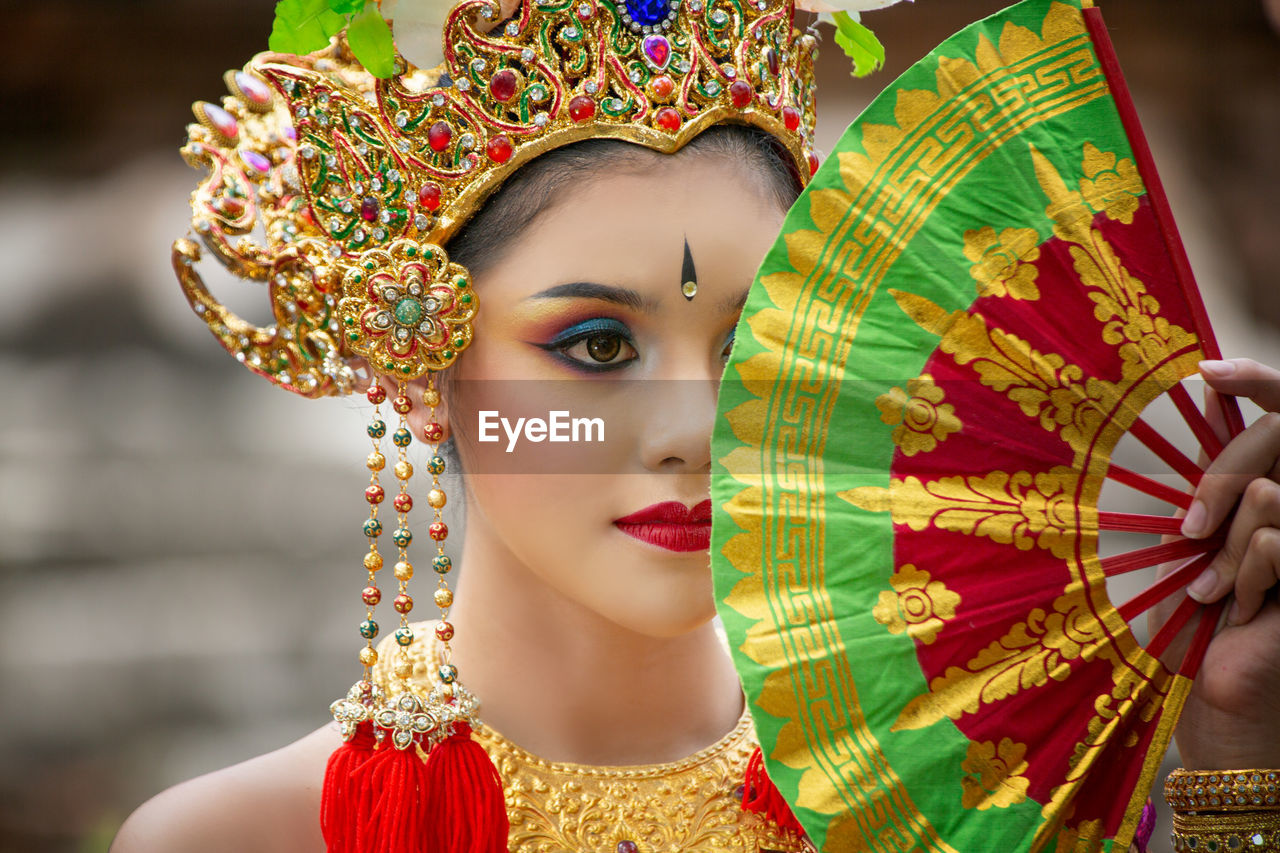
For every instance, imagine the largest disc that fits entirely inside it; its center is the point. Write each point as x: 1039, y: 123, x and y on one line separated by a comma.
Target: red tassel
x: 336, y: 817
x: 465, y: 809
x: 761, y: 796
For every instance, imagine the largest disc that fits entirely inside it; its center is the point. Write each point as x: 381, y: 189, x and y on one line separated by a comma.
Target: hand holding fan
x: 972, y: 303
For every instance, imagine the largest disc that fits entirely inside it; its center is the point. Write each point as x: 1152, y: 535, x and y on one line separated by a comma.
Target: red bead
x: 813, y: 164
x: 433, y: 431
x: 668, y: 119
x: 662, y: 86
x: 402, y: 502
x: 771, y: 59
x: 429, y: 196
x: 402, y: 404
x: 376, y: 394
x: 369, y: 209
x: 402, y: 603
x: 444, y: 631
x: 740, y: 92
x: 790, y: 117
x: 439, y: 135
x: 503, y: 85
x: 438, y: 531
x: 371, y: 595
x: 374, y: 494
x: 307, y: 216
x: 499, y: 149
x: 581, y: 108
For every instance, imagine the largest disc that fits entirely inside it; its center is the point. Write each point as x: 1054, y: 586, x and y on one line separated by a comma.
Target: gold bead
x: 404, y: 570
x: 373, y: 561
x: 436, y: 498
x: 431, y: 397
x: 368, y: 657
x: 404, y: 470
x: 376, y: 461
x: 443, y: 597
x: 404, y: 669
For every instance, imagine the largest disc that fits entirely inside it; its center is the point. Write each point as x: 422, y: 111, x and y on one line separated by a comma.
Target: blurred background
x: 178, y: 539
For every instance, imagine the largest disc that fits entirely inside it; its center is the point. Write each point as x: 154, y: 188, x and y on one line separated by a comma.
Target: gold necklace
x: 692, y: 805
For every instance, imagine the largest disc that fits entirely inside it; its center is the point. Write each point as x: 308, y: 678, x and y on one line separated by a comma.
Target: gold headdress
x: 355, y: 185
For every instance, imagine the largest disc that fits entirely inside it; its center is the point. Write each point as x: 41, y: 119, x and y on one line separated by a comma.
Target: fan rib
x: 1131, y: 561
x: 1162, y: 447
x: 1133, y: 522
x: 1176, y: 622
x: 1163, y: 588
x: 1196, y: 420
x: 1148, y: 486
x: 1200, y: 642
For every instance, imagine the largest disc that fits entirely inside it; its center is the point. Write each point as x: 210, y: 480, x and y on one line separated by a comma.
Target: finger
x: 1259, y: 510
x: 1244, y: 377
x: 1252, y: 454
x: 1259, y: 572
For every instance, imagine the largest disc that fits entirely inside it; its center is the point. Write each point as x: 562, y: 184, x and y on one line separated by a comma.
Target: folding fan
x: 976, y: 298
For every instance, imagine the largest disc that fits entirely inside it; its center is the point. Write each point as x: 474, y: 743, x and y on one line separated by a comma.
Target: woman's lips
x: 670, y: 525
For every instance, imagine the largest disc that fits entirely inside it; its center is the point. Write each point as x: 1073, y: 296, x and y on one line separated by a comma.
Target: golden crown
x: 358, y: 183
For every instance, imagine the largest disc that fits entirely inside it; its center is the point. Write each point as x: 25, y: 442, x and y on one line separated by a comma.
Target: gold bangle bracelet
x: 1223, y: 790
x: 1222, y: 832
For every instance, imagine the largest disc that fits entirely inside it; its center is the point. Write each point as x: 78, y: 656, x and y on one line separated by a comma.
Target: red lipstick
x: 670, y: 525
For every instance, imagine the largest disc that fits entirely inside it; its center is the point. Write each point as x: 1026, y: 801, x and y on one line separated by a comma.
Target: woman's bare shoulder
x: 268, y: 804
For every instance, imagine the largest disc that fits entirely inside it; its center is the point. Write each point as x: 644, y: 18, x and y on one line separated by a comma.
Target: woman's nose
x: 676, y: 425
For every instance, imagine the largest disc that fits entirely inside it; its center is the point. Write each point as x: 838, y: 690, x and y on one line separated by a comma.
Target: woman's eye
x: 728, y: 347
x: 598, y: 344
x: 600, y: 348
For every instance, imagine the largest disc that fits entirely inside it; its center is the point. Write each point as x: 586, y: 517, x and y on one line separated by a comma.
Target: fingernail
x: 1197, y: 517
x: 1233, y: 615
x: 1217, y: 368
x: 1204, y: 585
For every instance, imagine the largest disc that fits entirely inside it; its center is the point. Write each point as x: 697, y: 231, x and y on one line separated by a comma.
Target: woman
x: 583, y: 619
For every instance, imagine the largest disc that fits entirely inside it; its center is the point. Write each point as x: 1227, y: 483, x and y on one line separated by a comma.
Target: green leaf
x: 303, y: 26
x: 370, y: 41
x: 859, y: 44
x: 346, y: 7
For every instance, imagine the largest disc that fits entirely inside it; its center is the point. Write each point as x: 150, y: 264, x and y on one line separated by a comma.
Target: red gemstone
x: 790, y: 117
x: 371, y: 595
x: 402, y: 603
x: 253, y: 89
x: 771, y: 59
x: 444, y: 631
x: 376, y: 394
x: 219, y: 119
x: 438, y: 531
x: 813, y: 164
x: 740, y: 91
x: 369, y: 209
x: 499, y: 149
x: 668, y: 119
x: 403, y: 503
x: 503, y: 85
x: 581, y: 108
x: 307, y: 216
x: 374, y: 494
x: 662, y: 87
x: 433, y: 431
x: 438, y: 136
x: 429, y: 196
x: 402, y: 405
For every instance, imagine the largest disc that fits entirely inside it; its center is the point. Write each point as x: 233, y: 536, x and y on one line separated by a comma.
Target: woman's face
x: 587, y: 313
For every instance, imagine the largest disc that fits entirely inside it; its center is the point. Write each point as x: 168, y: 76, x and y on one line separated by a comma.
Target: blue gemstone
x: 647, y: 12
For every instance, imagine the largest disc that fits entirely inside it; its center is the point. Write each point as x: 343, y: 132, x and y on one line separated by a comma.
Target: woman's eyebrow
x: 734, y: 303
x: 605, y: 293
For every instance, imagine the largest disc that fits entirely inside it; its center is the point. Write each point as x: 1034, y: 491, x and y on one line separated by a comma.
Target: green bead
x: 350, y: 321
x: 368, y: 265
x: 357, y: 278
x: 368, y: 629
x: 372, y: 527
x: 408, y: 311
x: 435, y: 465
x: 353, y: 336
x: 402, y: 537
x: 411, y: 252
x: 448, y: 673
x: 459, y: 342
x: 402, y: 437
x: 465, y: 299
x: 442, y: 564
x: 404, y: 636
x: 377, y: 429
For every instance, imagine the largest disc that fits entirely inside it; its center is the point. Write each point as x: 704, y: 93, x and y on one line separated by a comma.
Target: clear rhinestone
x: 404, y: 720
x: 402, y: 119
x: 634, y: 76
x: 403, y: 145
x: 200, y: 309
x: 335, y: 224
x: 467, y: 141
x: 379, y: 233
x: 402, y: 334
x: 584, y: 9
x: 486, y: 13
x: 541, y: 119
x: 431, y: 304
x: 713, y: 88
x: 384, y: 217
x: 301, y: 112
x: 415, y: 289
x: 684, y: 66
x: 695, y: 5
x: 347, y: 206
x: 355, y: 122
x: 591, y: 87
x: 289, y: 86
x: 615, y: 104
x: 357, y: 235
x: 393, y: 175
x: 307, y: 152
x: 719, y: 16
x: 358, y: 187
x: 323, y: 100
x: 362, y: 150
x: 390, y: 293
x: 375, y: 184
x: 240, y: 356
x: 571, y: 32
x: 477, y: 64
x: 381, y: 320
x: 526, y: 55
x: 464, y: 85
x: 255, y: 360
x: 421, y: 221
x: 335, y: 252
x: 437, y: 99
x: 513, y: 29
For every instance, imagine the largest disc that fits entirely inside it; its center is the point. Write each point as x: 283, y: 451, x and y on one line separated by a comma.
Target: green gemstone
x: 408, y: 311
x: 411, y: 252
x: 387, y: 365
x: 353, y: 336
x: 368, y: 265
x: 357, y: 278
x: 350, y: 321
x: 465, y: 299
x: 459, y: 342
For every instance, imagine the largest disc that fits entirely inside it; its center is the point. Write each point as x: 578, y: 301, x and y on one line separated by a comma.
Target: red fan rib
x: 1196, y: 420
x: 1162, y: 447
x: 1177, y: 620
x: 1132, y: 522
x: 1148, y: 486
x: 1163, y: 588
x: 1200, y: 642
x: 1142, y: 558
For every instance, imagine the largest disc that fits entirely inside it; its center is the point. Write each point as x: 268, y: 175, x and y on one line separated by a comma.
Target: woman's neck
x: 566, y: 684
